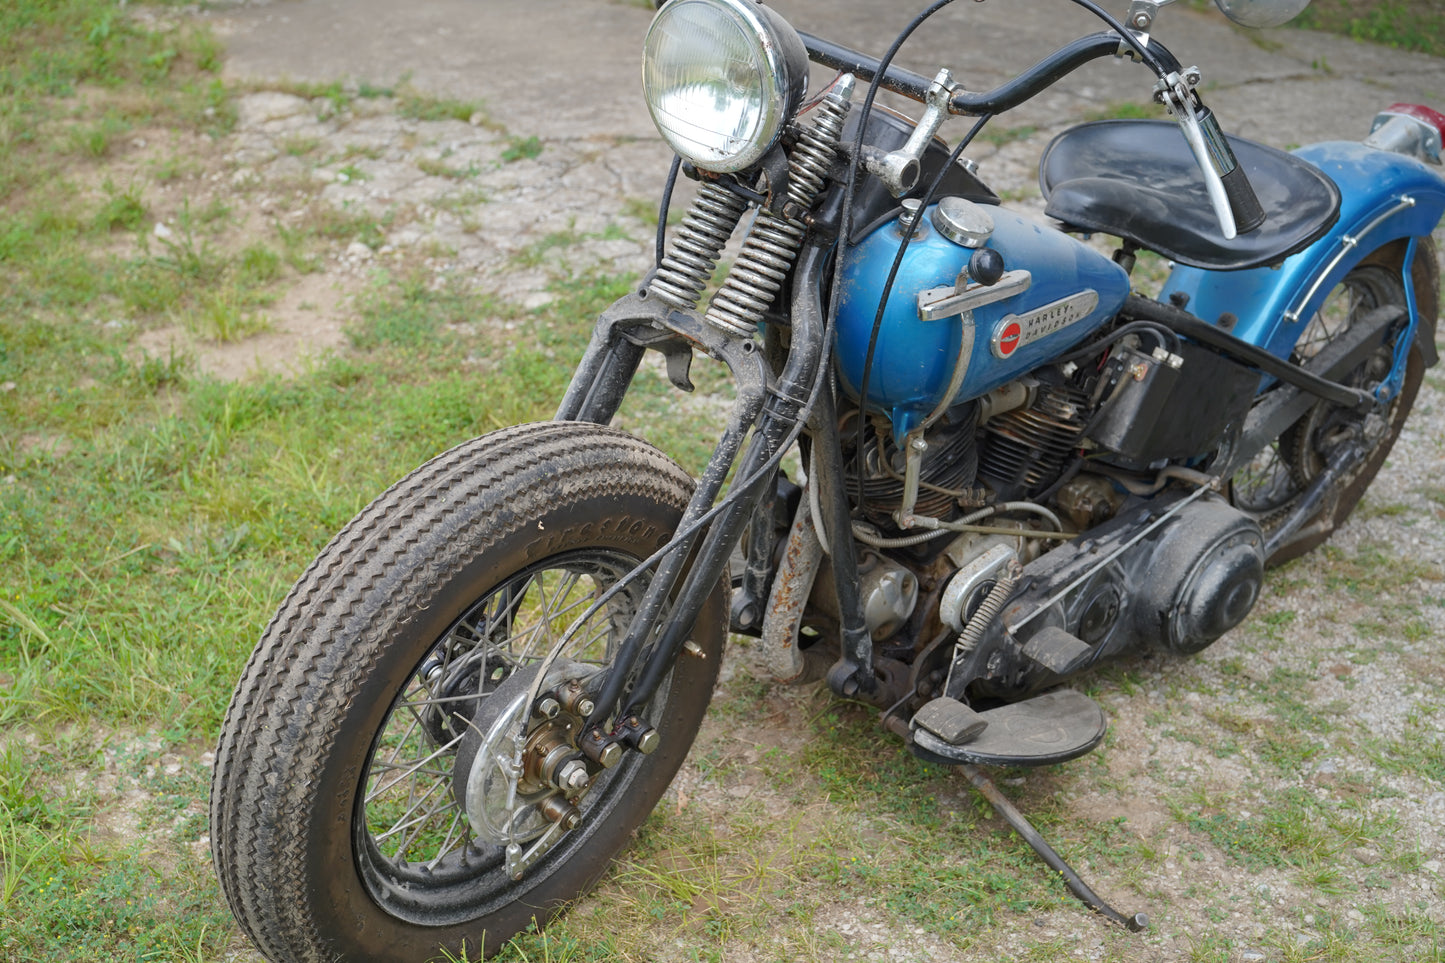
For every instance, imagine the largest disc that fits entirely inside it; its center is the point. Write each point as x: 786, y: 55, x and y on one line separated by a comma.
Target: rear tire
x: 1270, y: 486
x: 335, y: 822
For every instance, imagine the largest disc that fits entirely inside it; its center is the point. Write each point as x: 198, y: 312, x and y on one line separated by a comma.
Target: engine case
x: 1179, y: 588
x: 1073, y: 290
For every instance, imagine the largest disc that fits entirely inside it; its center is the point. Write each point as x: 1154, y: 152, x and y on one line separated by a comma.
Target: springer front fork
x: 764, y: 421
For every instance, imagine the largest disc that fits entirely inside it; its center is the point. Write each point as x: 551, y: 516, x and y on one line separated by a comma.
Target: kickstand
x: 1021, y: 825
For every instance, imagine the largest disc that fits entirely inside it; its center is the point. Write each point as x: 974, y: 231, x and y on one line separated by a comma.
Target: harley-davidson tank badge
x: 1013, y: 331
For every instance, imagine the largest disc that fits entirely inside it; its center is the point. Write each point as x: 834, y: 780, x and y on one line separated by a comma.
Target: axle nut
x: 610, y: 755
x: 572, y: 776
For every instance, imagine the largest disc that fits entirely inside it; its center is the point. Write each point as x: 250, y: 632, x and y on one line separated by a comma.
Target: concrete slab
x: 570, y: 68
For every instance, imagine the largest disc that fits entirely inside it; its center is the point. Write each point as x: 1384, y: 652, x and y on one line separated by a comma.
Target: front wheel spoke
x: 379, y: 767
x: 551, y: 617
x: 417, y: 767
x: 530, y: 652
x: 443, y: 701
x: 526, y: 652
x: 507, y: 611
x: 406, y: 736
x: 544, y: 622
x: 603, y: 632
x: 559, y: 616
x: 447, y: 841
x: 413, y: 709
x: 409, y: 819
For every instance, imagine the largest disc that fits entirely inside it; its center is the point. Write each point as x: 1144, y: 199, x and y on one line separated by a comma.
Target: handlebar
x: 1230, y: 193
x: 1006, y: 96
x: 1236, y: 206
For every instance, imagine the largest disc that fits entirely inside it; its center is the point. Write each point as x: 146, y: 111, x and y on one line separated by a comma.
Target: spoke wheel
x: 364, y: 795
x: 1272, y: 484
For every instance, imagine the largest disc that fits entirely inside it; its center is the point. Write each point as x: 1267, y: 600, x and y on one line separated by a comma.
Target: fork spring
x: 767, y: 254
x: 689, y: 266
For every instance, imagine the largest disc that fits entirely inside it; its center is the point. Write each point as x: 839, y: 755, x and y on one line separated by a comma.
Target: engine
x: 1021, y: 384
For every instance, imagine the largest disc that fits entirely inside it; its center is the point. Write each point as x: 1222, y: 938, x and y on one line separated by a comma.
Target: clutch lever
x: 1235, y: 204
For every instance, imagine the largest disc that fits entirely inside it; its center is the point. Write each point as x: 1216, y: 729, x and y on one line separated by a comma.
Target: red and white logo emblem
x: 1007, y: 339
x: 1014, y: 331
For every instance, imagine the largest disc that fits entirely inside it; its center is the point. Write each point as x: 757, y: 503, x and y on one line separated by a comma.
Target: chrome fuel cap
x: 963, y: 222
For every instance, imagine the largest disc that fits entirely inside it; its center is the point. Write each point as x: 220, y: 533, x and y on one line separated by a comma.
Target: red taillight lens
x: 1421, y: 113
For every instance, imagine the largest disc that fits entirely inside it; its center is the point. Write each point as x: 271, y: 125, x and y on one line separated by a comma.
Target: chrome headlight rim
x: 781, y: 80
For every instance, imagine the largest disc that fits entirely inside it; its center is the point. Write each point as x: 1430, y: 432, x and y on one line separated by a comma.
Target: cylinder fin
x: 1026, y: 448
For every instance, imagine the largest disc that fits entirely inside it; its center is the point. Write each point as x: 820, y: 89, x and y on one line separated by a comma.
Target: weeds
x: 1410, y: 26
x: 151, y: 518
x: 416, y: 105
x: 522, y: 148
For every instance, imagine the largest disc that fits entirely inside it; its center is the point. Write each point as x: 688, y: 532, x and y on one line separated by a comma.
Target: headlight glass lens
x: 715, y: 82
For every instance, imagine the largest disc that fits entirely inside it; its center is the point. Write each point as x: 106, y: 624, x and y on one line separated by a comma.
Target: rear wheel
x: 1272, y: 484
x: 366, y: 790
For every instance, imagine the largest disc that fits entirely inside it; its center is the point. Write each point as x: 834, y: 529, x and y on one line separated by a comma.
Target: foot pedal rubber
x: 1049, y: 728
x: 950, y: 720
x: 1056, y: 650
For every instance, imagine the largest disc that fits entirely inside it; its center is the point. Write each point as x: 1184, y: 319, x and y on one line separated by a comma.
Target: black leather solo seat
x: 1137, y: 180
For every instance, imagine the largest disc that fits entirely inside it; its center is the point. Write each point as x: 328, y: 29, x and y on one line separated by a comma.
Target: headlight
x: 722, y: 78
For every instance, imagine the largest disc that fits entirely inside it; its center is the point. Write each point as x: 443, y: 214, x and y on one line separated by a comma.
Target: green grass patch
x: 1002, y: 136
x: 105, y: 872
x: 1129, y: 110
x: 521, y: 148
x: 1415, y: 25
x: 417, y: 105
x: 153, y: 517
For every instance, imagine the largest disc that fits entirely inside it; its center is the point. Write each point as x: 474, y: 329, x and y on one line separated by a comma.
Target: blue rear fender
x: 1401, y: 197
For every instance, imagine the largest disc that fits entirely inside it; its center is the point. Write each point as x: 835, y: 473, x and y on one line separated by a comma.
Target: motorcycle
x: 1013, y: 468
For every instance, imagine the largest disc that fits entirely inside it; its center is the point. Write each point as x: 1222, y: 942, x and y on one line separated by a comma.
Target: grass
x: 152, y: 517
x: 1003, y: 136
x: 1407, y: 24
x: 521, y: 148
x: 1128, y: 110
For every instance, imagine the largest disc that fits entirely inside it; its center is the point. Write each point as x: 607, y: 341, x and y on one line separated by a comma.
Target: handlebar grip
x: 1248, y: 214
x: 1230, y: 194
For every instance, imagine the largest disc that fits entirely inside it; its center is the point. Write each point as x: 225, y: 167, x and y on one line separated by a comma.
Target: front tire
x: 339, y: 811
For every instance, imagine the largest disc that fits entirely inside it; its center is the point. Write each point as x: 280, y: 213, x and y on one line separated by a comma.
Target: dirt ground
x: 597, y: 167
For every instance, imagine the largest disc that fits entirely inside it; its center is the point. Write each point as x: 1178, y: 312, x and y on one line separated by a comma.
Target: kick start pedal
x: 1054, y: 727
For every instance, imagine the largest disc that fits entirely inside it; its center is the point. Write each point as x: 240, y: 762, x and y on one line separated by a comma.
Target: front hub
x: 518, y: 771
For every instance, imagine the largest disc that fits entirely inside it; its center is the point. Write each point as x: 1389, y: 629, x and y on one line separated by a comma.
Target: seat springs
x: 772, y: 243
x: 688, y: 267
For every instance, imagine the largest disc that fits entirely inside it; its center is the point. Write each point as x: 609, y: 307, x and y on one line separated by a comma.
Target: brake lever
x: 1235, y: 205
x: 1177, y: 95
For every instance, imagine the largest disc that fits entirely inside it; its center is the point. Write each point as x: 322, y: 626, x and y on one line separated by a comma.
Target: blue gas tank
x: 1071, y: 291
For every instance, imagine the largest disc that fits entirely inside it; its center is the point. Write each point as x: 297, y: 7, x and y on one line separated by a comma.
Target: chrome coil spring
x: 688, y: 267
x: 772, y: 243
x: 984, y: 616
